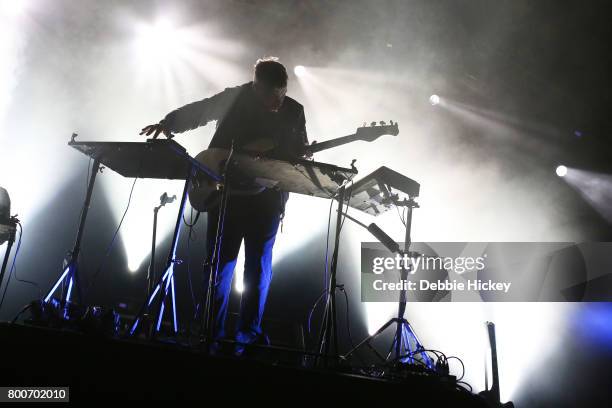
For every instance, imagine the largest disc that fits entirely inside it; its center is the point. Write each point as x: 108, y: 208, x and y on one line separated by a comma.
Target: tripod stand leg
x: 68, y: 294
x: 159, y: 285
x: 370, y: 338
x: 146, y: 306
x: 173, y: 294
x: 419, y: 346
x: 166, y: 281
x: 400, y: 346
x: 57, y: 283
x: 70, y: 273
x: 169, y: 287
x: 399, y: 338
x: 159, y: 315
x: 403, y: 345
x: 70, y: 283
x: 407, y: 346
x: 391, y: 348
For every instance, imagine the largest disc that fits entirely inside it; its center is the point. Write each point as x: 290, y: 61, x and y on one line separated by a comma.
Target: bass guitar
x: 204, y: 194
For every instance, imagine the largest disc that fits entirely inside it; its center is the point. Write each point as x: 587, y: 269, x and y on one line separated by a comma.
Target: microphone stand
x: 163, y: 200
x: 166, y: 281
x: 405, y: 343
x: 207, y: 327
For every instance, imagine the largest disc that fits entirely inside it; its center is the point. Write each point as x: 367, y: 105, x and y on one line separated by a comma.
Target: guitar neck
x: 339, y: 141
x: 365, y: 133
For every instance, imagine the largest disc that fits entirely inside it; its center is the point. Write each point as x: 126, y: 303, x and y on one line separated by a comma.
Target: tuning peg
x: 382, y: 123
x: 373, y: 124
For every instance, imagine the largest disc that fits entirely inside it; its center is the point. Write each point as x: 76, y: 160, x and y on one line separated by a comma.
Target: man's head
x: 270, y: 82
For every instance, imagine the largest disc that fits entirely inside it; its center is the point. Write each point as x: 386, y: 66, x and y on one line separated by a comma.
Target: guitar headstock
x: 374, y: 131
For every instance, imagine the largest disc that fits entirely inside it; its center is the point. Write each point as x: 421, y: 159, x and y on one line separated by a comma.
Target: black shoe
x: 244, y: 340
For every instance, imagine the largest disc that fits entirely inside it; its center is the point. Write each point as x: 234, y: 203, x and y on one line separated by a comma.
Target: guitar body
x: 205, y: 194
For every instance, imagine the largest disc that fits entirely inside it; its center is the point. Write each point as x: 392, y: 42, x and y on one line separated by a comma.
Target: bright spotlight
x: 561, y: 171
x: 12, y: 7
x: 158, y: 40
x: 299, y: 70
x: 434, y: 100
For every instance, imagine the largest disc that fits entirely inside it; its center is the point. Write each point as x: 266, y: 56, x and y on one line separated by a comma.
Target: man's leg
x: 258, y: 243
x: 230, y: 247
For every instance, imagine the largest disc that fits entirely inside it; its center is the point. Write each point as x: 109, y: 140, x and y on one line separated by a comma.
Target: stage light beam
x: 434, y: 100
x: 595, y: 189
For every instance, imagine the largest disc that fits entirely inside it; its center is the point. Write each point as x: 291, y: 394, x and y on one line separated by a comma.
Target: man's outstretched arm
x: 193, y: 115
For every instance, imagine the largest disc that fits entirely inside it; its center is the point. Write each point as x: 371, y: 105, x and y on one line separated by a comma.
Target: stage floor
x: 111, y: 370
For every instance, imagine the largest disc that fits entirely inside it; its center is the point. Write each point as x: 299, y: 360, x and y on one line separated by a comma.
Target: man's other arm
x: 195, y: 114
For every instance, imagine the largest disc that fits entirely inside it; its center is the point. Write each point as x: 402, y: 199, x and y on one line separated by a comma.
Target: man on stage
x: 256, y: 110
